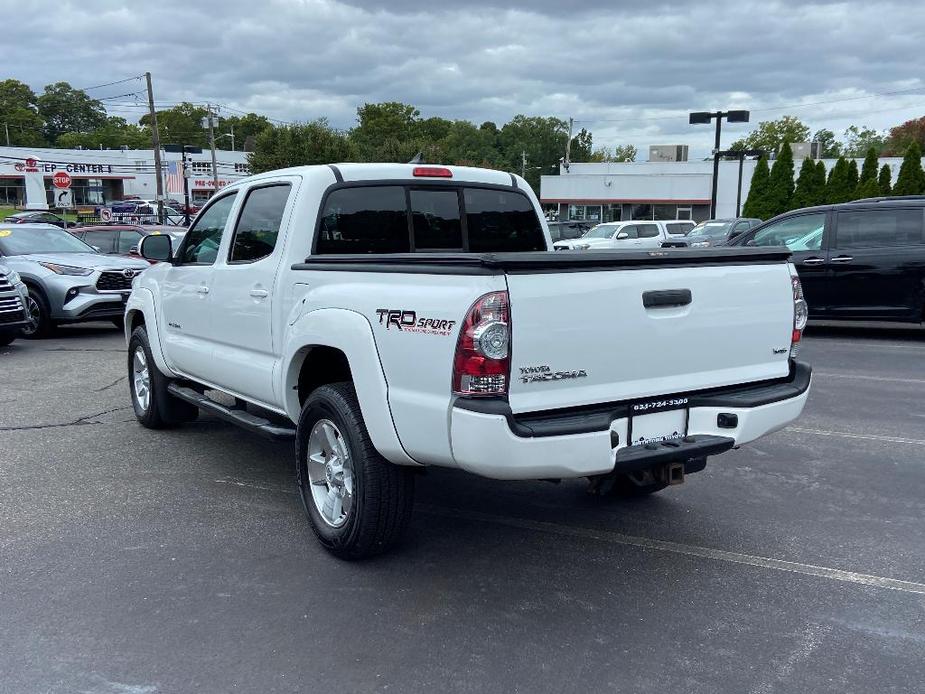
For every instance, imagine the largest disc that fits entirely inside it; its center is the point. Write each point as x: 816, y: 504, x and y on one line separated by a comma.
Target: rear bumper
x: 487, y: 439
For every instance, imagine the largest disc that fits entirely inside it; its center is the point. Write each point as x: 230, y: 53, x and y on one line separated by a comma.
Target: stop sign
x: 61, y: 179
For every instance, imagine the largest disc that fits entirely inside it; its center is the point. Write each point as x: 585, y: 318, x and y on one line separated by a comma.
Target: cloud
x: 628, y: 71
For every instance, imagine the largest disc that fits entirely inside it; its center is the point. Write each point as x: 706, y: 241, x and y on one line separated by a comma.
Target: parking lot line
x: 862, y: 377
x: 865, y: 437
x: 679, y: 548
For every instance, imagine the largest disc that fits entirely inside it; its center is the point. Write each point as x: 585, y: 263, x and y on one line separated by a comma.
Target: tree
x: 859, y: 140
x: 829, y: 147
x: 885, y: 180
x: 911, y: 180
x: 806, y: 193
x: 67, y: 110
x: 581, y: 149
x: 771, y: 134
x: 244, y: 128
x: 837, y: 188
x: 304, y: 143
x: 852, y: 180
x: 757, y: 191
x: 620, y: 153
x: 387, y: 132
x: 867, y: 189
x: 780, y: 183
x: 467, y: 145
x: 181, y: 125
x: 19, y: 115
x: 115, y: 133
x: 820, y: 183
x: 904, y: 135
x: 541, y: 140
x: 868, y: 173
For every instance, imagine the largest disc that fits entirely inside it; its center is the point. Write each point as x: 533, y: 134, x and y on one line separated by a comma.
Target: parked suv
x: 713, y: 232
x: 68, y: 281
x: 13, y: 295
x: 858, y: 260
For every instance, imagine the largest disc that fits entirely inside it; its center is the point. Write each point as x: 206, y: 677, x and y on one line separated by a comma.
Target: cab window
x: 801, y: 233
x: 200, y: 246
x: 878, y: 228
x: 258, y: 224
x: 647, y: 231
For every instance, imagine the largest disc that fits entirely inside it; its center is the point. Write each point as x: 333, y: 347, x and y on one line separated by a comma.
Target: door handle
x: 259, y: 293
x: 842, y: 259
x: 202, y: 290
x: 813, y: 261
x: 666, y: 297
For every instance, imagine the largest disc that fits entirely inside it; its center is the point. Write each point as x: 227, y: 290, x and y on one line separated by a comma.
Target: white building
x: 103, y: 176
x: 654, y: 190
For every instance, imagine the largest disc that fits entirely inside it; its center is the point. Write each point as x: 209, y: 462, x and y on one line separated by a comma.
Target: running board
x: 235, y: 415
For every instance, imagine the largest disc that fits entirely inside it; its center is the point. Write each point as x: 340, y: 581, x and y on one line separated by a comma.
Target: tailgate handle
x: 666, y: 297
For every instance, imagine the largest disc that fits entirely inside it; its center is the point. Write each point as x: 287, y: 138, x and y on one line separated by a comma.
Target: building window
x: 240, y: 168
x: 643, y: 211
x: 684, y: 213
x: 141, y: 165
x: 613, y: 213
x: 584, y: 213
x: 665, y: 212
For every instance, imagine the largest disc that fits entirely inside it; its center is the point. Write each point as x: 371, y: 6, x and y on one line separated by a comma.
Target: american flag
x: 174, y: 177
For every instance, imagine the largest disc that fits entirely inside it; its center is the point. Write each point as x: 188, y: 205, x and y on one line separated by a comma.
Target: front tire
x: 155, y: 407
x: 39, y: 315
x: 357, y: 502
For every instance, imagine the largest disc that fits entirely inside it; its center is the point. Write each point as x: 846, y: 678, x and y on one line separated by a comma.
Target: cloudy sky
x: 628, y: 70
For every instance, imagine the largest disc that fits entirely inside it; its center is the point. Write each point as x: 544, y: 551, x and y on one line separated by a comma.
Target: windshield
x: 711, y: 229
x: 46, y: 239
x: 601, y: 231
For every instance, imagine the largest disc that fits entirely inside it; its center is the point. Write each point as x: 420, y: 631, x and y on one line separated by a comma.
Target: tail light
x: 432, y: 172
x: 800, y: 315
x: 482, y: 363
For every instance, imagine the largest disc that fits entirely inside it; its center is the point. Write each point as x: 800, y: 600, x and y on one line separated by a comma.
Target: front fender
x: 141, y: 300
x: 351, y: 333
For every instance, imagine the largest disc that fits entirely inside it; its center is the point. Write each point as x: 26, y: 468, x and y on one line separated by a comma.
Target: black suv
x: 862, y: 260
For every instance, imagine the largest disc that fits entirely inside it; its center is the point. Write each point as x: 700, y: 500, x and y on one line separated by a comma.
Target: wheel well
x: 322, y: 365
x: 137, y: 319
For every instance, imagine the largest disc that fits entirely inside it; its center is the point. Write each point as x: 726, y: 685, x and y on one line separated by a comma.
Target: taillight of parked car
x: 800, y: 315
x: 482, y: 364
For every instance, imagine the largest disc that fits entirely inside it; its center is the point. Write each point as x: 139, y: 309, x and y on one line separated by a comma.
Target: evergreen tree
x: 837, y: 188
x: 780, y: 183
x: 867, y: 189
x: 869, y: 170
x: 757, y: 191
x: 820, y: 183
x: 805, y: 194
x: 851, y: 184
x: 911, y: 180
x: 885, y: 180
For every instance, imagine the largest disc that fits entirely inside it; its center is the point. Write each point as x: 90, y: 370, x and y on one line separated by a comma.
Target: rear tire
x: 358, y: 503
x: 155, y: 408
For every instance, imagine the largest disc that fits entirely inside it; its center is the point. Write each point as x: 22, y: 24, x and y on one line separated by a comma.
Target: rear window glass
x: 879, y: 228
x: 367, y: 219
x: 501, y: 221
x: 435, y: 217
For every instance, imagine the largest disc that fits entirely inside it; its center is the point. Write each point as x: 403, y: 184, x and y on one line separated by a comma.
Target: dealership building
x: 606, y: 192
x: 99, y: 177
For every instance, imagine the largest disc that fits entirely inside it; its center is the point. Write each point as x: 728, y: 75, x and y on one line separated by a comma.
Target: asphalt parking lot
x: 137, y: 561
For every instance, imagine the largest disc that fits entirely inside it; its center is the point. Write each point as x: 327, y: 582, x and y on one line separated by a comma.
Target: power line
x: 109, y: 84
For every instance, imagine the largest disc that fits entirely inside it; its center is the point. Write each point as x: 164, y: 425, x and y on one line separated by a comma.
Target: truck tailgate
x: 591, y: 334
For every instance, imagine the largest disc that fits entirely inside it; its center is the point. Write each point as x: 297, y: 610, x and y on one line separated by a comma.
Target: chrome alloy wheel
x: 330, y: 473
x: 141, y: 379
x: 34, y: 314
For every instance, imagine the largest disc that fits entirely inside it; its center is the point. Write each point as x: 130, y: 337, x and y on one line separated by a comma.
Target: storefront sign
x: 35, y: 166
x: 209, y: 183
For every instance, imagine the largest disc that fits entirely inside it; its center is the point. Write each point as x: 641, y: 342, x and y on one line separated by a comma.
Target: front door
x: 804, y: 235
x: 185, y: 292
x: 876, y: 264
x: 242, y: 289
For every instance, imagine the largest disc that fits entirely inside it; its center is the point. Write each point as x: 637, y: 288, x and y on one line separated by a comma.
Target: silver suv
x: 13, y: 296
x: 67, y: 280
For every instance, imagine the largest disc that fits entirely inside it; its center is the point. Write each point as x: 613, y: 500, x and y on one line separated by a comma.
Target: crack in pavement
x: 116, y: 382
x: 80, y: 421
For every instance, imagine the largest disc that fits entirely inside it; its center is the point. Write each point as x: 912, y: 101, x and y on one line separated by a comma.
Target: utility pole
x: 6, y: 126
x: 523, y: 164
x: 212, y: 145
x: 156, y: 145
x: 568, y: 146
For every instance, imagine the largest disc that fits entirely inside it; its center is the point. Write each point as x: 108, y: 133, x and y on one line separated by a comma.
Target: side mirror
x: 156, y: 247
x: 622, y: 235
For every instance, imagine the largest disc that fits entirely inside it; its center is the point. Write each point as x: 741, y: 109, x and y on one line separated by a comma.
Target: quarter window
x: 879, y: 228
x: 200, y: 246
x: 259, y: 222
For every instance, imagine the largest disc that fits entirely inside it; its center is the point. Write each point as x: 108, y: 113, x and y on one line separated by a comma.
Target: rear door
x: 807, y: 238
x: 242, y: 286
x: 642, y: 331
x: 650, y: 235
x: 877, y: 263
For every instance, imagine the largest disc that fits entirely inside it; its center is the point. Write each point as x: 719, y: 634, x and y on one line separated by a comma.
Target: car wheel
x: 357, y: 502
x: 155, y: 407
x: 40, y: 323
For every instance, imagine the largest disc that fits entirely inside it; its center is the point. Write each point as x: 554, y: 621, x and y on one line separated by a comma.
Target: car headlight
x: 67, y: 269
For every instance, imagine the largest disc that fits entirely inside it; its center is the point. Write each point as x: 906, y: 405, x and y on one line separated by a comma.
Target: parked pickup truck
x: 388, y: 317
x: 626, y: 236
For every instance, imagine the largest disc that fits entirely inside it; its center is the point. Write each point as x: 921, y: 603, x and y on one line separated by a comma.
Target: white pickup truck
x: 388, y: 317
x: 626, y: 236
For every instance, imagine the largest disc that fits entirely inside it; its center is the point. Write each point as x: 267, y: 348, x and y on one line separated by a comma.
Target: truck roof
x: 378, y: 172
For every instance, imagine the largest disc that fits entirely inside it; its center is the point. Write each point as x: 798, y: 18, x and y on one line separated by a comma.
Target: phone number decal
x: 659, y: 404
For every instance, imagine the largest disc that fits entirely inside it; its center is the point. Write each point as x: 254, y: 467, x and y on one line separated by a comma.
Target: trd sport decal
x: 408, y: 321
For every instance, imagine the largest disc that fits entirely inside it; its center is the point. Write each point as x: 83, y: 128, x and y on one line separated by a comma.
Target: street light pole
x: 740, y: 154
x: 705, y: 117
